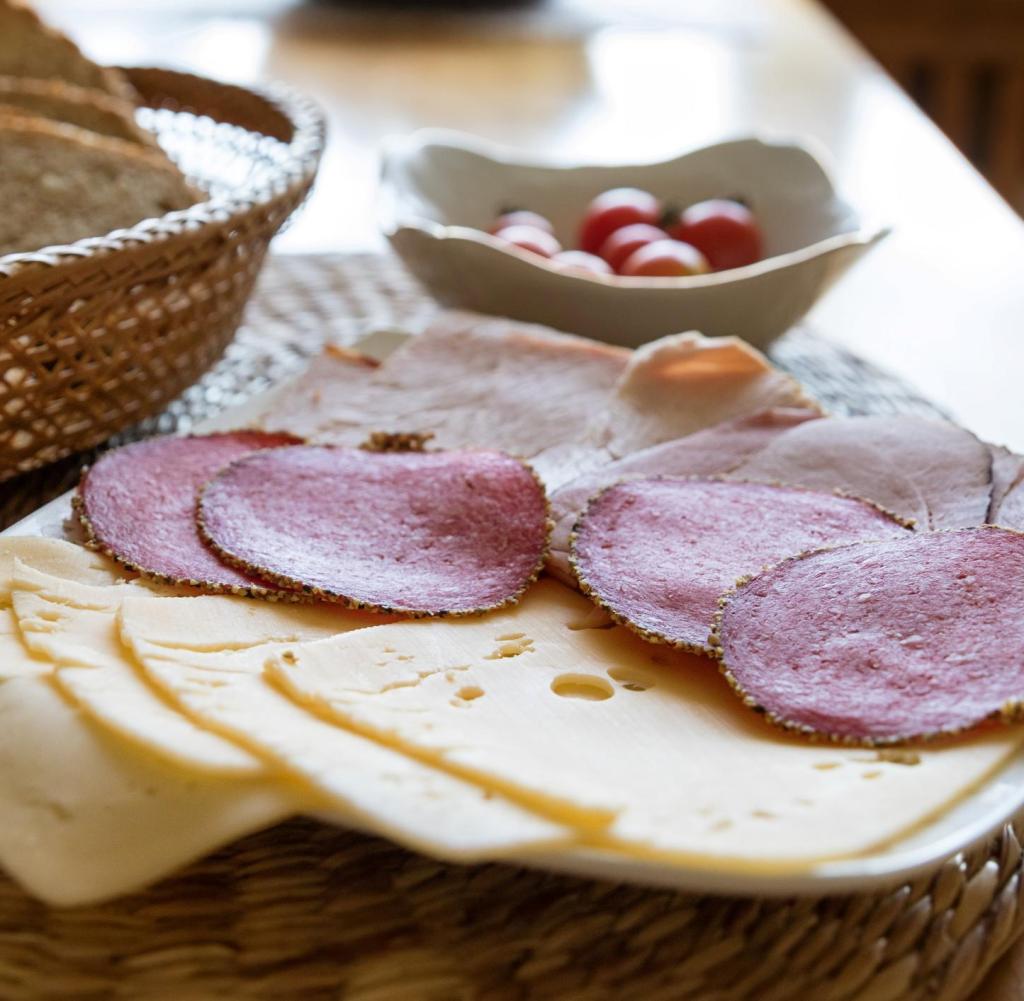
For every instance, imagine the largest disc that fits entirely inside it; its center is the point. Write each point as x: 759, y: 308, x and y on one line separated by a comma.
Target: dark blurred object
x: 963, y: 62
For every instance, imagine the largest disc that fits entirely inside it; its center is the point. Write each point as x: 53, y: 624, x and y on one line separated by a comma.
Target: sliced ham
x: 680, y: 384
x: 929, y: 471
x: 468, y: 380
x: 431, y: 533
x: 1006, y: 506
x: 138, y: 505
x: 657, y: 553
x: 711, y: 452
x: 879, y: 642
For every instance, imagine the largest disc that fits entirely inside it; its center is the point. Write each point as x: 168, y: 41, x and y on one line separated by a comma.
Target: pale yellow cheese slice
x: 642, y: 748
x: 86, y: 818
x: 15, y: 660
x: 74, y: 625
x: 363, y: 783
x: 53, y: 556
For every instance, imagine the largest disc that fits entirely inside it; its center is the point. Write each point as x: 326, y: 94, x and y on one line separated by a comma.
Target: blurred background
x: 962, y: 61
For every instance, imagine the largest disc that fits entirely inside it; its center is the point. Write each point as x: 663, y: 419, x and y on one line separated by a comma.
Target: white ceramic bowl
x: 441, y: 190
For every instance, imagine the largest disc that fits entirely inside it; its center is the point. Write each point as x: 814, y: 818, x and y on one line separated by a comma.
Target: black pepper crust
x: 652, y: 636
x: 97, y: 543
x: 1012, y: 711
x: 346, y: 601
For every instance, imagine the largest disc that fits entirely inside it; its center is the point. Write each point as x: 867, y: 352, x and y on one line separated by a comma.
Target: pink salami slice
x: 658, y: 553
x: 880, y: 642
x: 428, y: 533
x: 138, y: 504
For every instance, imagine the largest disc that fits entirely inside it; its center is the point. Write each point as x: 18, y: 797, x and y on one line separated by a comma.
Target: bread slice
x: 59, y: 184
x: 63, y: 102
x: 30, y: 48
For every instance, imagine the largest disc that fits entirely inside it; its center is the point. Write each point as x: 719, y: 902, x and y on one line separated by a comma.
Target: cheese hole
x: 826, y: 766
x: 510, y: 645
x: 469, y: 692
x: 632, y: 681
x: 589, y: 687
x: 874, y: 774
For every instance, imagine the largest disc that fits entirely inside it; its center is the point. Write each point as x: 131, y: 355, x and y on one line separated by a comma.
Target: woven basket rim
x: 298, y: 167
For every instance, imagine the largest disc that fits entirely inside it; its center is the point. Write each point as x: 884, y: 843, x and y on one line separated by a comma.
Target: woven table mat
x: 308, y: 911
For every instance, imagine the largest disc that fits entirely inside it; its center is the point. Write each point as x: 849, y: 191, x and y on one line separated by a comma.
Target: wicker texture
x: 305, y: 911
x: 104, y: 333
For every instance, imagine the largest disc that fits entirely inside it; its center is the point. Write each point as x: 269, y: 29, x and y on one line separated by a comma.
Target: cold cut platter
x: 498, y: 593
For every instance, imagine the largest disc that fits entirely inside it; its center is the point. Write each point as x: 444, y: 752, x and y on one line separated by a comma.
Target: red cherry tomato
x: 530, y: 238
x: 613, y: 210
x: 621, y: 244
x: 665, y: 258
x: 724, y: 231
x: 578, y: 260
x: 521, y: 217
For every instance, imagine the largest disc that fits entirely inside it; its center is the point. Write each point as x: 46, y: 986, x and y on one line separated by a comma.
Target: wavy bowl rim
x: 393, y: 222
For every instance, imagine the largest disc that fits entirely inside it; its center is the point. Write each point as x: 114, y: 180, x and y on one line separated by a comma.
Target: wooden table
x: 940, y: 303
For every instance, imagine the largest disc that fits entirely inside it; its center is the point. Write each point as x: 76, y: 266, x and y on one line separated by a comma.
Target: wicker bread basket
x: 98, y: 335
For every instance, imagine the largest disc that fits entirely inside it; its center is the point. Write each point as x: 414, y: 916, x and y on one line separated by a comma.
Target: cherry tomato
x: 521, y: 217
x: 530, y: 238
x: 665, y: 258
x: 621, y: 244
x: 578, y: 260
x: 613, y: 210
x: 724, y: 231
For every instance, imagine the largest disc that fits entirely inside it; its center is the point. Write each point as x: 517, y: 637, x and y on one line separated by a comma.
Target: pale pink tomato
x: 665, y: 259
x: 537, y: 241
x: 579, y: 260
x: 521, y: 217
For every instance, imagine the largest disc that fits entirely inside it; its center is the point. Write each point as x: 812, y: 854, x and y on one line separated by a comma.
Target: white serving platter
x: 974, y: 818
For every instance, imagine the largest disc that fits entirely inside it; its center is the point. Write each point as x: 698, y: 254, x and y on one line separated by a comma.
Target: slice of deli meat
x: 1006, y: 506
x: 657, y: 553
x: 879, y: 642
x: 430, y: 533
x: 137, y: 504
x: 711, y: 452
x: 467, y: 380
x: 684, y: 383
x: 929, y: 471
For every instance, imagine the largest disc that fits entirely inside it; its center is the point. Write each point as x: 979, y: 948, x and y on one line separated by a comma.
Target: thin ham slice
x: 928, y: 471
x: 881, y: 642
x: 680, y: 384
x: 1006, y: 506
x: 657, y: 553
x: 470, y: 381
x: 138, y: 504
x: 429, y: 533
x: 711, y: 452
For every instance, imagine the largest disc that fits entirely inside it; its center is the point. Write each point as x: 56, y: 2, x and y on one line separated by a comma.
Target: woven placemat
x: 308, y: 911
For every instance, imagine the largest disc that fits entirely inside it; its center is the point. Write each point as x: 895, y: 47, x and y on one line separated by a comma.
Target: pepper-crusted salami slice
x: 658, y: 553
x: 881, y: 642
x: 429, y: 533
x: 138, y: 505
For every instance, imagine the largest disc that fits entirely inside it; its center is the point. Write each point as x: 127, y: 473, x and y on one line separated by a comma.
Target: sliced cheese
x: 53, y: 556
x: 365, y: 784
x: 75, y: 626
x: 642, y: 748
x: 16, y: 660
x: 86, y: 818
